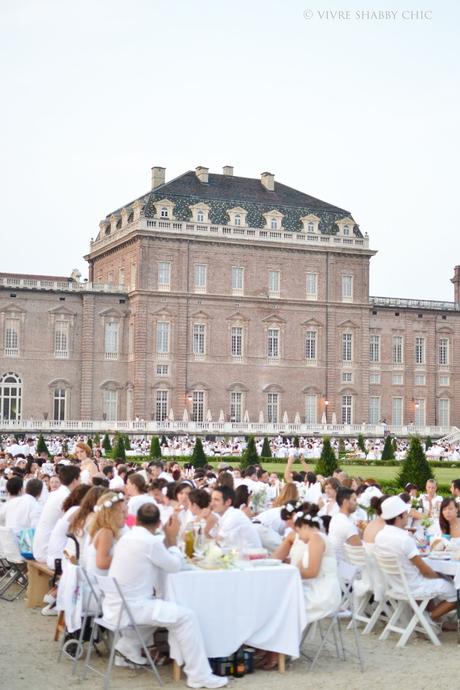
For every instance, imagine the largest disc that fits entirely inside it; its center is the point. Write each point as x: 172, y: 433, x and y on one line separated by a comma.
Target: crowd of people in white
x: 133, y: 522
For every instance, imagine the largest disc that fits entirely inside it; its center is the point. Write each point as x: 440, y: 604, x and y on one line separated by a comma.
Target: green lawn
x: 444, y: 475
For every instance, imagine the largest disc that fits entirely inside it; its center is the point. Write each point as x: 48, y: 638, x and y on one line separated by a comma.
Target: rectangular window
x: 310, y: 347
x: 59, y: 400
x: 198, y: 406
x: 419, y: 350
x: 397, y: 379
x: 374, y: 348
x: 419, y: 416
x: 347, y: 288
x: 237, y: 341
x: 312, y: 286
x: 273, y: 343
x: 200, y: 277
x: 347, y: 377
x: 237, y: 280
x: 272, y: 408
x: 397, y: 349
x: 161, y: 405
x: 444, y: 380
x: 397, y: 411
x: 347, y: 409
x: 199, y: 339
x: 163, y: 332
x: 162, y: 369
x: 164, y: 276
x: 443, y: 351
x: 274, y: 283
x: 374, y: 410
x: 236, y: 406
x: 347, y: 347
x: 444, y: 412
x: 110, y: 404
x: 11, y: 338
x: 111, y: 340
x: 311, y: 406
x: 374, y: 377
x: 420, y: 379
x: 61, y: 340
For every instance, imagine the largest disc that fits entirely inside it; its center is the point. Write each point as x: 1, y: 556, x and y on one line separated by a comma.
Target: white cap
x: 393, y: 506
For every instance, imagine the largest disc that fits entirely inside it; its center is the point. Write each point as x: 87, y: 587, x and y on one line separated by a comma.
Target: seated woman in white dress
x: 80, y: 520
x: 317, y: 565
x: 105, y: 529
x: 449, y: 522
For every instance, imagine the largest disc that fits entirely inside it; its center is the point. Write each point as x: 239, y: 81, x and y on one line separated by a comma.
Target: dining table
x: 257, y: 605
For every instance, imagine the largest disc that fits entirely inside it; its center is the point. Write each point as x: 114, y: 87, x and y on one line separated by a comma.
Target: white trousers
x: 185, y: 639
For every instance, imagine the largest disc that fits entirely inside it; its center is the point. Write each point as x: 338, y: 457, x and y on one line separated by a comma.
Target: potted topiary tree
x: 327, y: 462
x: 415, y: 468
x: 250, y: 455
x: 198, y: 458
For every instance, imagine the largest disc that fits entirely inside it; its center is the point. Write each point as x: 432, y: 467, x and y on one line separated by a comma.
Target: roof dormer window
x: 310, y: 227
x: 310, y: 224
x: 200, y: 216
x: 164, y: 209
x: 200, y: 213
x: 346, y: 230
x: 164, y: 213
x: 274, y: 224
x: 273, y: 220
x: 237, y: 220
x: 237, y: 216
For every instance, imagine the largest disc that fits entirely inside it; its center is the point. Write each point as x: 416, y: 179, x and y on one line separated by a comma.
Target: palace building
x: 218, y: 296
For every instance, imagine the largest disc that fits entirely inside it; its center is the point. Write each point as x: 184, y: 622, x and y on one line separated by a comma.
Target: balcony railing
x: 237, y: 232
x: 70, y: 285
x: 224, y: 428
x: 413, y: 303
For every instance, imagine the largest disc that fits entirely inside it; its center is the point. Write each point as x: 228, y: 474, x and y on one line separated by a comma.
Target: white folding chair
x: 14, y: 563
x: 363, y: 592
x: 109, y: 585
x: 384, y: 608
x: 391, y: 567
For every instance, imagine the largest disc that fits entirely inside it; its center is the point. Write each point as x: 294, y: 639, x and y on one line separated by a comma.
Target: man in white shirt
x: 342, y: 529
x: 234, y: 527
x: 430, y: 501
x: 394, y: 540
x: 14, y: 487
x: 140, y: 561
x: 25, y: 510
x: 70, y: 478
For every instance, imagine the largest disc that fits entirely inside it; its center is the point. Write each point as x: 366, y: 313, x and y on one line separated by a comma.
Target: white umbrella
x: 261, y: 417
x: 323, y: 418
x: 285, y: 418
x: 297, y: 418
x: 171, y: 415
x: 334, y: 418
x: 221, y: 416
x: 246, y: 417
x: 209, y: 416
x: 185, y: 415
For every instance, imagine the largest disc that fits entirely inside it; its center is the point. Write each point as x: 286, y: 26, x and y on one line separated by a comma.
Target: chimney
x: 202, y: 173
x: 158, y: 176
x: 228, y: 170
x: 268, y: 181
x: 456, y: 281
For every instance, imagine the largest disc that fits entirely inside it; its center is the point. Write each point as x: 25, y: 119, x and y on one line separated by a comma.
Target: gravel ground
x: 28, y: 660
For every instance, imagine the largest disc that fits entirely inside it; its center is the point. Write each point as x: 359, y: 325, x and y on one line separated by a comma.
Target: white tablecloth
x: 445, y: 567
x: 262, y: 606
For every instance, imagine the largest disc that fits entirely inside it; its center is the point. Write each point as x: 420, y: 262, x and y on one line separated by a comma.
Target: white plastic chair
x: 14, y: 563
x: 109, y: 585
x: 391, y: 567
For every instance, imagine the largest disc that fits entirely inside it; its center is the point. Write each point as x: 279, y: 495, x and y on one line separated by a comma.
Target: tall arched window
x: 59, y: 404
x: 10, y: 396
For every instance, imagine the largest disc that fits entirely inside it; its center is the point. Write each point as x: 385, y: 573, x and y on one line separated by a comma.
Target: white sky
x: 362, y: 113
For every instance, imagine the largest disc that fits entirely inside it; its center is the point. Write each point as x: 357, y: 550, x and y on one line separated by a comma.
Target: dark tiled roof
x: 245, y: 189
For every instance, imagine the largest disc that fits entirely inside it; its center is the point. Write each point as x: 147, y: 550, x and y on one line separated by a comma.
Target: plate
x: 266, y: 561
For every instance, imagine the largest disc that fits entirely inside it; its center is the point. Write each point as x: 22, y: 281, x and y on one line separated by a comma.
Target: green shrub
x: 361, y: 443
x: 126, y: 442
x: 155, y: 448
x: 198, y: 458
x: 41, y: 445
x: 107, y: 446
x: 266, y: 451
x: 388, y: 449
x: 118, y: 450
x: 428, y: 443
x: 327, y: 462
x: 250, y: 456
x: 415, y: 468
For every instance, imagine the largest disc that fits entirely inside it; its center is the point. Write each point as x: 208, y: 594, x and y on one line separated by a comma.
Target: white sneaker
x: 49, y: 599
x: 130, y: 655
x: 124, y: 663
x: 50, y: 610
x: 211, y: 682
